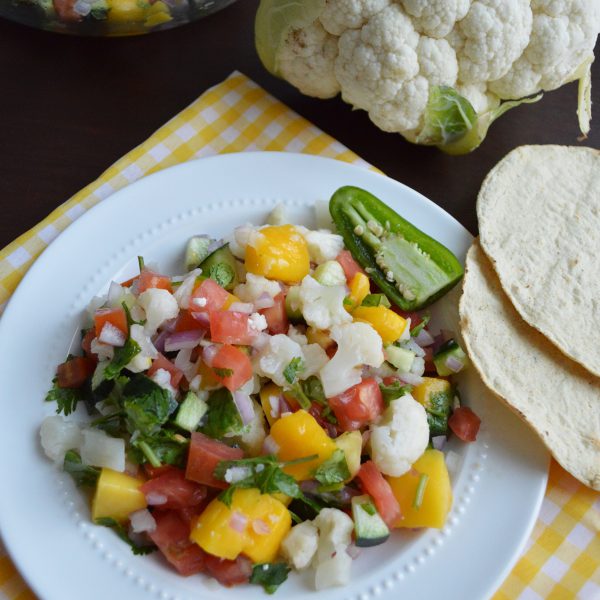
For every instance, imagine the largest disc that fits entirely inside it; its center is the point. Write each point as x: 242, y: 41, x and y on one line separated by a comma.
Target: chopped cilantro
x: 66, y: 398
x: 83, y: 475
x: 295, y: 366
x: 141, y: 263
x: 269, y: 575
x: 376, y: 300
x: 333, y: 471
x: 222, y: 417
x: 416, y: 330
x: 121, y: 359
x: 394, y: 390
x: 122, y: 533
x: 369, y: 508
x: 420, y: 492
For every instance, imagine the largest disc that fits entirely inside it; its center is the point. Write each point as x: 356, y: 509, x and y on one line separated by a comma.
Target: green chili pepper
x: 411, y: 268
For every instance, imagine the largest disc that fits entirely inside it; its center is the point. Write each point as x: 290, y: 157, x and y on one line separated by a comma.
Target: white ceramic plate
x: 44, y: 520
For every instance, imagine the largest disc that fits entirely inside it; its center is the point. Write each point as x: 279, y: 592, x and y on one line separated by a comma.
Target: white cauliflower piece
x: 58, y: 435
x: 322, y: 306
x: 300, y: 545
x: 183, y: 293
x: 358, y: 345
x: 257, y: 322
x: 255, y: 287
x: 333, y: 571
x: 437, y: 61
x: 159, y: 306
x: 162, y: 377
x: 278, y: 216
x: 143, y: 359
x: 479, y: 96
x: 243, y: 236
x: 563, y: 37
x: 276, y: 355
x: 400, y: 437
x: 100, y: 450
x: 315, y: 358
x: 340, y: 15
x: 490, y: 38
x: 306, y: 60
x: 436, y: 18
x: 323, y: 245
x: 295, y: 335
x: 255, y: 433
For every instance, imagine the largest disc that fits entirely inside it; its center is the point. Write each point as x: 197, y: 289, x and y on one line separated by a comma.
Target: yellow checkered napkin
x: 562, y: 558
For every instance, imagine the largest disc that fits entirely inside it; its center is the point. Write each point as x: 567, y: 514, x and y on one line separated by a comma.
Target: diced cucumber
x: 196, y: 251
x: 190, y: 412
x: 401, y: 358
x: 449, y: 350
x: 330, y: 273
x: 292, y: 304
x: 221, y: 267
x: 369, y: 527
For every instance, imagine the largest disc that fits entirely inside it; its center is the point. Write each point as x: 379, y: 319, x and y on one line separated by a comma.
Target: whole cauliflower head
x: 435, y: 71
x: 400, y: 437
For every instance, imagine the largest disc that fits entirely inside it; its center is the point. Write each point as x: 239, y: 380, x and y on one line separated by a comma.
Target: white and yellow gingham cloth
x: 562, y: 558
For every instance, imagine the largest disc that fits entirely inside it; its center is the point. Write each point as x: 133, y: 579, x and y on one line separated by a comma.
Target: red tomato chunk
x: 178, y: 491
x: 373, y: 483
x: 114, y: 316
x: 74, y: 372
x: 358, y: 405
x: 276, y: 316
x: 160, y: 362
x: 464, y: 424
x: 230, y: 327
x: 229, y: 572
x: 210, y: 294
x: 149, y: 279
x: 203, y: 456
x: 350, y: 266
x: 232, y: 367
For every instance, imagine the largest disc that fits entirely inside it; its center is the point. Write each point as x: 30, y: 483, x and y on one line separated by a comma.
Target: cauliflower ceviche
x: 277, y: 406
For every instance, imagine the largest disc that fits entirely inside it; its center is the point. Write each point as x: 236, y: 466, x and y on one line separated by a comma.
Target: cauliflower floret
x: 100, y: 450
x: 306, y: 60
x: 563, y: 37
x: 300, y: 544
x: 437, y: 61
x: 315, y: 358
x: 340, y: 15
x: 159, y: 306
x: 358, y: 344
x: 143, y: 359
x: 162, y: 377
x: 257, y: 322
x: 278, y: 216
x: 401, y: 436
x: 57, y: 436
x: 276, y: 355
x: 295, y: 335
x: 436, y: 18
x: 255, y: 287
x: 183, y: 293
x: 254, y: 434
x: 323, y: 245
x: 479, y: 96
x: 243, y: 236
x: 322, y: 306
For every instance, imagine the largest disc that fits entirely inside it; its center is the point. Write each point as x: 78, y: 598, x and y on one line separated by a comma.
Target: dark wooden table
x: 70, y: 107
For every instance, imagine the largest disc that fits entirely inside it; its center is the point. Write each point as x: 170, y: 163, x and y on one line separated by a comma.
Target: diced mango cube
x: 437, y: 496
x: 428, y: 388
x: 351, y: 444
x: 117, y: 496
x: 359, y: 290
x: 389, y: 325
x: 270, y: 394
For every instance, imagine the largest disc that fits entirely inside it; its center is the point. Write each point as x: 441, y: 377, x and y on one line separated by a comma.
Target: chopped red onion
x: 309, y: 486
x: 238, y: 521
x: 142, y: 521
x: 438, y: 441
x: 111, y: 335
x: 169, y: 325
x: 265, y: 300
x: 353, y: 551
x: 156, y: 499
x: 208, y: 354
x: 424, y: 338
x: 410, y: 378
x: 260, y: 527
x: 454, y: 364
x: 159, y: 340
x: 243, y: 403
x: 270, y: 446
x: 242, y: 307
x: 183, y: 340
x: 115, y: 291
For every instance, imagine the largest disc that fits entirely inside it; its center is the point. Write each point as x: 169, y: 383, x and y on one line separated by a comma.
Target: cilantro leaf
x: 394, y: 390
x: 83, y: 475
x: 313, y: 389
x: 297, y: 392
x: 147, y: 405
x: 333, y: 471
x: 416, y: 330
x: 163, y: 448
x: 122, y: 533
x: 121, y: 358
x: 66, y: 398
x: 222, y: 418
x: 376, y: 300
x: 295, y: 366
x: 222, y: 273
x: 269, y: 575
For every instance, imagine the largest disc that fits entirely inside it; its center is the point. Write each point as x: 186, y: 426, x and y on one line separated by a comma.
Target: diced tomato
x: 203, y: 456
x: 350, y: 266
x: 172, y: 536
x: 153, y: 472
x: 230, y: 327
x: 129, y: 282
x: 86, y: 343
x: 149, y: 279
x: 114, y: 316
x: 187, y: 322
x: 276, y: 316
x: 373, y: 483
x: 464, y: 424
x: 210, y: 291
x: 160, y: 362
x: 229, y: 572
x: 358, y: 405
x: 66, y: 11
x: 74, y: 372
x: 232, y: 367
x: 179, y: 491
x: 428, y: 358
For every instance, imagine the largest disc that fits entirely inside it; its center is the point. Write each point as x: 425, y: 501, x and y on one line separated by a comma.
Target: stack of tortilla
x: 530, y: 308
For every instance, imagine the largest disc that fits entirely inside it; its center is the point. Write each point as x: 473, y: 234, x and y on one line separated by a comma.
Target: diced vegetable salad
x: 272, y: 408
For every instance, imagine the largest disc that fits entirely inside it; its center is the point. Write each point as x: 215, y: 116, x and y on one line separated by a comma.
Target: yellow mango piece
x: 278, y: 252
x: 428, y: 388
x: 385, y: 321
x: 437, y: 497
x: 117, y: 496
x: 158, y: 14
x: 123, y: 11
x: 266, y: 393
x: 209, y: 380
x: 231, y: 298
x: 360, y: 287
x: 351, y: 443
x: 299, y: 435
x: 265, y: 521
x: 319, y: 336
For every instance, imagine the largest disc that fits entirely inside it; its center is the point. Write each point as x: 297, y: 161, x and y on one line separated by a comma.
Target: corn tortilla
x: 556, y: 396
x: 539, y: 223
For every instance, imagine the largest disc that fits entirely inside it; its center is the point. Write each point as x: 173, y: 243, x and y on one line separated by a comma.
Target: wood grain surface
x: 71, y: 106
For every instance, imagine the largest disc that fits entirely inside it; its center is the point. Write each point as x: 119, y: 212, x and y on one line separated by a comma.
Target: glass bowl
x: 108, y: 17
